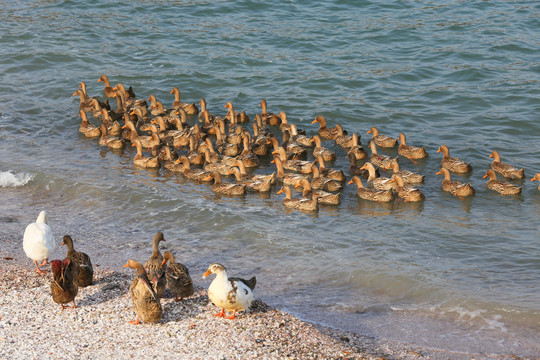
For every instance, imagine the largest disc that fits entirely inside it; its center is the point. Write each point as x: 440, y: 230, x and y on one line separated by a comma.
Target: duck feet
x: 231, y: 317
x: 39, y: 271
x: 134, y: 322
x: 221, y: 314
x: 176, y: 298
x: 45, y: 262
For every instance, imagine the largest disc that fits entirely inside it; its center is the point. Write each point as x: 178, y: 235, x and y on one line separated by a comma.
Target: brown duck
x: 371, y: 194
x: 407, y: 192
x: 323, y: 197
x: 86, y: 128
x: 506, y: 170
x: 154, y: 267
x: 327, y: 154
x: 325, y: 132
x: 146, y: 302
x: 455, y: 188
x: 356, y: 149
x: 410, y: 152
x: 453, y: 164
x: 64, y: 281
x: 382, y: 140
x: 287, y: 178
x: 222, y: 188
x: 86, y: 271
x: 537, y: 178
x: 502, y: 187
x: 299, y: 204
x: 382, y: 161
x: 190, y: 109
x: 178, y: 279
x: 409, y: 177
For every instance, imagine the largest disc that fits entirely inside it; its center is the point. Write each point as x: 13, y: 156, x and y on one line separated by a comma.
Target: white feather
x: 38, y: 240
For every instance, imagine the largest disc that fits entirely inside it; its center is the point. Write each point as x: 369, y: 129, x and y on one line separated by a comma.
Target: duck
x: 233, y: 116
x: 177, y: 275
x: 327, y: 154
x: 222, y: 188
x: 144, y: 161
x: 537, y: 178
x: 301, y: 166
x: 64, y: 287
x: 323, y: 197
x: 215, y: 162
x: 502, y: 187
x: 287, y: 179
x: 205, y: 117
x: 38, y: 241
x: 194, y: 174
x: 146, y: 302
x: 268, y: 118
x: 342, y: 139
x: 284, y: 125
x: 86, y: 128
x: 113, y: 127
x: 194, y: 156
x: 103, y: 104
x: 85, y: 103
x: 146, y: 141
x: 259, y: 184
x: 371, y: 194
x: 86, y: 271
x: 453, y: 164
x: 170, y: 161
x: 382, y: 140
x: 303, y: 204
x: 382, y: 161
x: 231, y: 294
x: 259, y: 177
x: 321, y: 182
x: 455, y: 188
x: 247, y: 156
x: 259, y: 141
x: 335, y: 174
x: 158, y: 109
x: 356, y: 149
x: 300, y: 137
x: 129, y: 96
x: 109, y: 92
x: 407, y: 192
x: 410, y: 152
x: 325, y: 132
x: 190, y: 109
x: 225, y: 148
x: 154, y: 267
x: 506, y: 170
x: 356, y: 170
x: 292, y: 146
x: 380, y: 183
x: 409, y: 177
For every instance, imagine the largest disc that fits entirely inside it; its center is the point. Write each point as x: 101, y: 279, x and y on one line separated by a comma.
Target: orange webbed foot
x: 221, y: 314
x: 134, y: 322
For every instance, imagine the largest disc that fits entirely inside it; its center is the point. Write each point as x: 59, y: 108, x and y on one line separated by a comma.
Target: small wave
x: 8, y: 179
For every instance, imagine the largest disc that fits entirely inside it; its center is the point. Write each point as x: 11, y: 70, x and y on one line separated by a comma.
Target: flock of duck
x: 209, y: 148
x: 148, y: 285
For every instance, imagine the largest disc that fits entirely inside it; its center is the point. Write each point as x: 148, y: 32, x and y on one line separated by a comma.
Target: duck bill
x: 207, y: 272
x: 314, y: 121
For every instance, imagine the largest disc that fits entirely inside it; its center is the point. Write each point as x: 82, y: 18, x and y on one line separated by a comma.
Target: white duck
x: 233, y: 293
x: 38, y: 241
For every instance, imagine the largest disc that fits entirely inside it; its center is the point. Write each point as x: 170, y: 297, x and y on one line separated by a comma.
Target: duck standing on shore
x: 178, y: 279
x: 64, y: 283
x: 38, y: 242
x: 233, y: 294
x: 146, y: 303
x: 154, y: 267
x: 86, y: 271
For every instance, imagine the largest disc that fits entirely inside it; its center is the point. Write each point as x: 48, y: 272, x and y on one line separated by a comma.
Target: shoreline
x: 33, y: 326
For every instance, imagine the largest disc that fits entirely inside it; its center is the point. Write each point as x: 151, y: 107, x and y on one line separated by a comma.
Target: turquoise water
x: 459, y: 275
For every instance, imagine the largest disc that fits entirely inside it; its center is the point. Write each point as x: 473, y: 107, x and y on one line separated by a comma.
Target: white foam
x: 8, y: 179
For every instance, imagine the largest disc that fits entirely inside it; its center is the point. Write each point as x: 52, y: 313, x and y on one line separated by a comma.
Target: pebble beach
x: 32, y: 326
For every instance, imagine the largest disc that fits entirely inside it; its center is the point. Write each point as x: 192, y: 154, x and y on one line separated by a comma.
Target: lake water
x: 459, y: 275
